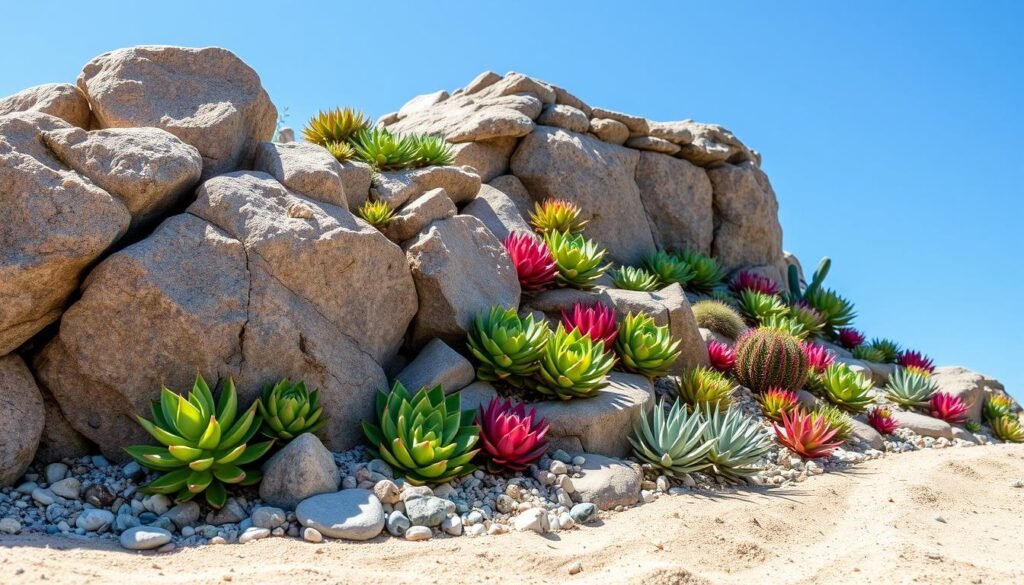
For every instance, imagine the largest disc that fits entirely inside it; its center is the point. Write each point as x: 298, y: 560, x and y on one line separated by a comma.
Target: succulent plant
x: 837, y: 419
x: 597, y: 320
x: 869, y: 353
x: 578, y: 259
x: 808, y: 317
x: 535, y: 267
x: 289, y: 409
x: 557, y: 215
x: 948, y: 407
x: 881, y: 419
x: 849, y: 338
x: 758, y: 307
x: 431, y: 150
x: 376, y: 213
x: 632, y: 278
x: 807, y: 434
x: 819, y: 358
x: 889, y: 349
x: 702, y: 387
x: 836, y: 310
x: 668, y: 268
x: 793, y: 275
x: 511, y: 437
x: 909, y: 389
x: 383, y: 150
x: 972, y: 426
x: 203, y: 445
x: 644, y: 347
x: 673, y: 442
x: 785, y: 324
x: 342, y: 151
x: 847, y: 389
x: 426, y: 437
x: 337, y: 126
x: 996, y: 406
x: 737, y: 443
x: 707, y: 274
x: 766, y: 359
x: 572, y: 366
x: 720, y: 318
x: 915, y: 360
x: 775, y: 401
x: 722, y: 357
x: 508, y: 347
x: 1007, y: 428
x: 753, y: 282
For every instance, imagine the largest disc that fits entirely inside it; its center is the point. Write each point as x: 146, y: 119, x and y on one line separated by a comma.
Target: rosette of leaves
x: 700, y: 388
x: 579, y: 260
x: 376, y: 213
x: 837, y: 419
x: 808, y: 317
x: 425, y: 438
x: 289, y: 410
x: 633, y: 278
x: 759, y: 307
x: 644, y: 347
x: 342, y: 151
x: 707, y: 274
x: 507, y: 346
x: 335, y: 126
x: 785, y: 324
x: 383, y: 150
x: 1008, y: 428
x: 909, y: 389
x: 868, y: 353
x: 572, y: 366
x: 668, y: 268
x: 888, y: 349
x: 996, y: 406
x: 673, y: 441
x: 556, y: 215
x: 203, y: 444
x: 847, y: 389
x: 835, y: 310
x: 738, y: 443
x: 431, y: 150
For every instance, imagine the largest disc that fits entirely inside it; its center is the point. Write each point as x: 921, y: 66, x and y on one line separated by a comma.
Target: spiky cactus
x: 719, y: 317
x: 767, y: 358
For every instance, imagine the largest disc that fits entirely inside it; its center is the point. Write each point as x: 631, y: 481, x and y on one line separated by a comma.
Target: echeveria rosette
x: 707, y: 274
x: 532, y: 259
x: 572, y: 366
x: 699, y: 388
x: 203, y: 445
x: 597, y: 320
x: 889, y: 350
x: 508, y: 347
x: 511, y: 437
x: 1008, y: 428
x: 837, y: 418
x: 758, y: 307
x: 289, y: 410
x: 673, y: 442
x: 880, y: 418
x: 807, y: 434
x: 426, y: 437
x: 721, y: 356
x: 635, y: 278
x: 775, y: 401
x: 580, y: 261
x: 996, y: 406
x: 812, y: 322
x: 916, y: 360
x: 849, y: 338
x: 557, y: 215
x: 645, y: 347
x: 847, y: 389
x: 668, y: 268
x: 910, y: 389
x: 949, y: 408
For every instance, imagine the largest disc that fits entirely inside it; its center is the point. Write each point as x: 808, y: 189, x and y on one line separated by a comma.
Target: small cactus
x: 767, y: 358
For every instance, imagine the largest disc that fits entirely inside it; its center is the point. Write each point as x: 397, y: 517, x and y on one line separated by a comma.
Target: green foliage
x: 335, y: 126
x: 837, y: 419
x: 425, y: 438
x: 342, y: 151
x: 579, y: 260
x: 376, y: 213
x: 888, y: 349
x: 707, y: 274
x: 835, y: 310
x: 674, y: 443
x: 996, y: 406
x: 668, y: 268
x: 631, y: 278
x: 203, y: 445
x: 847, y: 389
x: 556, y: 215
x: 289, y: 410
x: 972, y: 426
x: 720, y: 318
x: 431, y: 150
x: 910, y: 389
x: 737, y: 443
x: 1008, y: 428
x: 766, y: 358
x: 813, y: 286
x: 785, y: 324
x: 758, y: 307
x: 383, y: 150
x: 644, y: 347
x: 868, y: 353
x: 572, y: 366
x: 809, y: 319
x: 700, y: 388
x: 508, y: 347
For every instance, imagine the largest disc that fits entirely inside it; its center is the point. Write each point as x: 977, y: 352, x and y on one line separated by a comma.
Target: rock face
x: 21, y: 418
x: 971, y: 387
x: 254, y: 282
x: 63, y: 100
x: 307, y: 169
x: 438, y: 364
x: 677, y: 197
x: 747, y: 230
x: 207, y: 97
x: 497, y: 211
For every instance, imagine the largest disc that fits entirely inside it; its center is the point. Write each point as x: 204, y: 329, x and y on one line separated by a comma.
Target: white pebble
x: 419, y: 533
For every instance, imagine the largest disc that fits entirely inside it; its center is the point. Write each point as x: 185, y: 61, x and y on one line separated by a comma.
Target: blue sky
x: 890, y: 131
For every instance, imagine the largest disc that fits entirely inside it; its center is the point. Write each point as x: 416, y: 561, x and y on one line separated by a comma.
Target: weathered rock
x: 421, y: 212
x: 677, y: 198
x: 268, y: 517
x: 21, y: 418
x: 472, y: 119
x: 305, y: 168
x: 497, y: 211
x: 459, y: 269
x: 207, y: 97
x: 562, y: 116
x: 971, y: 387
x: 923, y: 425
x: 513, y: 83
x: 747, y: 230
x: 356, y: 177
x: 398, y: 523
x: 400, y: 187
x: 637, y: 126
x: 349, y: 514
x: 532, y: 520
x: 183, y: 515
x: 59, y: 440
x: 610, y: 131
x: 422, y: 102
x: 712, y: 144
x: 608, y: 482
x: 568, y: 99
x: 63, y: 100
x: 68, y: 488
x: 675, y: 132
x: 56, y: 224
x: 865, y: 432
x: 144, y: 538
x: 489, y: 158
x: 148, y: 169
x: 596, y: 176
x: 484, y: 80
x: 438, y: 364
x: 417, y: 533
x: 652, y: 144
x: 514, y: 189
x: 304, y: 468
x: 880, y: 372
x: 95, y: 520
x: 285, y: 135
x: 426, y: 511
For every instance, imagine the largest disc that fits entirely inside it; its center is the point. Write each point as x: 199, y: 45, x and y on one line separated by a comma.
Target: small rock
x: 304, y: 468
x: 419, y: 533
x: 55, y: 472
x: 231, y: 513
x: 43, y: 496
x: 353, y: 514
x: 397, y: 523
x: 476, y: 530
x: 428, y: 511
x: 268, y: 517
x: 416, y: 491
x: 647, y: 496
x: 562, y: 456
x: 183, y: 515
x: 100, y: 462
x: 218, y: 540
x: 387, y: 492
x: 94, y: 520
x: 99, y: 495
x: 157, y: 503
x: 583, y: 513
x: 312, y: 535
x: 558, y: 467
x: 575, y: 568
x: 566, y: 521
x: 452, y: 525
x: 497, y: 528
x: 132, y: 470
x: 10, y: 526
x: 579, y: 460
x: 188, y: 531
x: 505, y: 503
x: 534, y: 519
x: 253, y: 533
x: 381, y: 467
x: 940, y: 519
x: 565, y: 482
x: 1017, y: 484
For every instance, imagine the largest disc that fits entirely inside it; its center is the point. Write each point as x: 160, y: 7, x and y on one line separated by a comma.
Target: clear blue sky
x: 891, y: 130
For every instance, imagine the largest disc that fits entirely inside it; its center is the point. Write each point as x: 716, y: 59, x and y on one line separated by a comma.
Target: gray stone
x: 312, y: 535
x: 452, y: 526
x: 305, y: 168
x: 94, y: 520
x: 183, y: 515
x: 9, y: 526
x: 426, y: 511
x: 497, y: 211
x: 62, y: 100
x: 400, y: 187
x: 268, y: 517
x: 489, y: 158
x: 865, y: 432
x: 21, y: 418
x: 438, y: 364
x: 349, y: 514
x: 68, y: 488
x: 652, y: 144
x: 253, y: 533
x: 747, y: 230
x: 514, y: 189
x: 583, y: 513
x: 562, y: 116
x: 608, y: 482
x: 971, y: 387
x: 356, y: 177
x: 55, y: 472
x: 923, y: 425
x: 473, y: 118
x: 231, y: 513
x: 712, y: 144
x: 610, y: 131
x: 419, y: 533
x: 674, y: 132
x: 144, y: 538
x: 398, y: 523
x: 418, y: 214
x: 59, y: 440
x: 422, y: 102
x: 533, y: 520
x: 302, y: 469
x: 677, y: 198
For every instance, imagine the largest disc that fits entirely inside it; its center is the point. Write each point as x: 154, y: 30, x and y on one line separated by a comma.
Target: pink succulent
x: 723, y: 358
x: 532, y: 258
x: 916, y: 360
x: 751, y: 281
x: 818, y: 357
x: 598, y: 321
x: 510, y: 436
x: 849, y: 337
x: 881, y: 419
x: 948, y: 408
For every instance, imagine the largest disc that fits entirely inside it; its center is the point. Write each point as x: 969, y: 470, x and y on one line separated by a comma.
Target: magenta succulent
x: 948, y: 408
x: 723, y: 358
x: 510, y: 436
x: 881, y: 419
x: 754, y: 282
x: 598, y: 321
x: 532, y: 258
x: 818, y: 358
x: 916, y: 360
x: 849, y: 337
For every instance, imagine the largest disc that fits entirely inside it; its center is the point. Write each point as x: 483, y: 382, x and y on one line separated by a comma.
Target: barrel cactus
x: 719, y: 317
x: 289, y: 409
x: 644, y: 347
x: 572, y: 366
x: 508, y: 347
x: 767, y: 358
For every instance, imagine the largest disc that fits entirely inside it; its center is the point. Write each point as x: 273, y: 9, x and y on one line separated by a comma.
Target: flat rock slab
x: 400, y: 187
x: 353, y: 514
x: 607, y: 482
x: 923, y: 425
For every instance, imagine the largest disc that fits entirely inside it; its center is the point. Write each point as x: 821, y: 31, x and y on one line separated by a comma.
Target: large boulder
x: 21, y: 418
x: 497, y: 211
x: 207, y: 97
x: 677, y: 198
x: 747, y: 230
x: 56, y: 223
x: 473, y: 119
x: 59, y: 439
x: 597, y: 176
x: 971, y: 387
x: 305, y: 168
x: 711, y: 144
x: 254, y: 282
x: 460, y: 269
x: 489, y: 158
x: 62, y: 100
x: 400, y: 187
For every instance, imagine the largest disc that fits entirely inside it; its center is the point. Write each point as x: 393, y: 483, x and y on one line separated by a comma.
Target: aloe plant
x: 674, y: 442
x: 707, y: 274
x: 668, y: 268
x: 431, y: 150
x: 847, y: 389
x: 837, y: 311
x: 376, y: 213
x: 289, y: 410
x: 738, y: 443
x: 335, y: 126
x: 631, y: 278
x: 700, y: 388
x: 383, y: 150
x: 909, y: 389
x: 758, y: 307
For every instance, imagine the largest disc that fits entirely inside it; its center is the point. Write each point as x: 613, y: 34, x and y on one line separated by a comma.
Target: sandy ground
x: 930, y: 517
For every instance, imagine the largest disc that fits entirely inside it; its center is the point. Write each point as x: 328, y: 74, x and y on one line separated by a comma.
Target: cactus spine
x: 768, y: 358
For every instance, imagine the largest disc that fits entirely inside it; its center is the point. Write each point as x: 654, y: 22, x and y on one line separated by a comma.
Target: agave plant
x: 535, y: 267
x: 342, y: 151
x: 881, y: 419
x: 758, y: 307
x: 1008, y: 428
x: 916, y: 360
x: 431, y: 150
x: 598, y: 320
x: 890, y: 350
x: 203, y: 445
x: 644, y: 347
x: 707, y: 274
x: 673, y: 442
x: 837, y: 419
x: 808, y: 317
x: 702, y: 387
x: 376, y: 213
x: 578, y: 259
x: 720, y: 318
x: 632, y: 278
x: 836, y: 310
x: 847, y: 389
x: 557, y: 215
x: 753, y: 282
x: 668, y: 268
x: 785, y: 324
x: 767, y: 358
x: 508, y: 347
x: 737, y: 443
x: 510, y: 436
x: 807, y: 434
x: 869, y: 353
x: 909, y: 389
x: 775, y: 401
x: 948, y: 408
x: 572, y: 366
x: 335, y: 126
x: 996, y: 406
x: 383, y: 150
x: 849, y: 338
x: 289, y: 409
x: 721, y: 356
x: 425, y: 438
